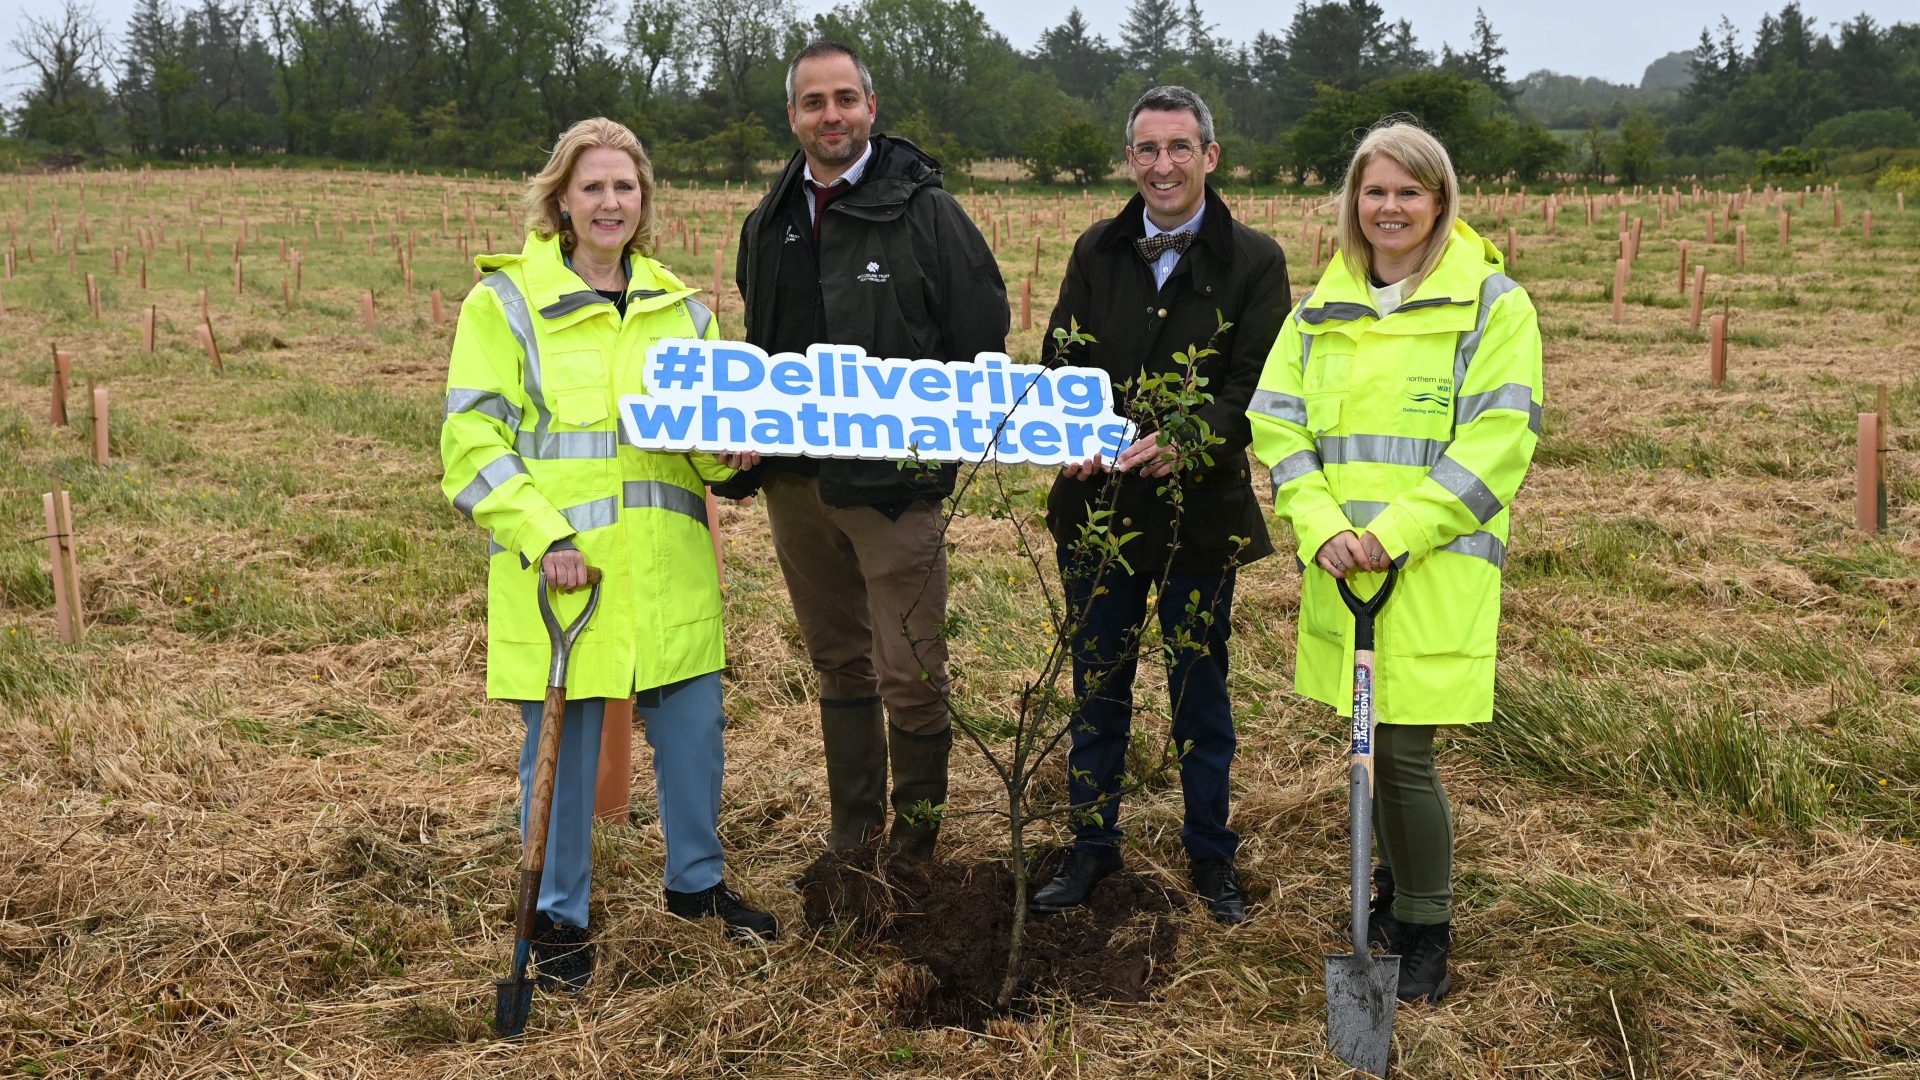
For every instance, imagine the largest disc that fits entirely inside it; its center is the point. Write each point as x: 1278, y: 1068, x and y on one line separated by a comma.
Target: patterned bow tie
x: 1152, y: 247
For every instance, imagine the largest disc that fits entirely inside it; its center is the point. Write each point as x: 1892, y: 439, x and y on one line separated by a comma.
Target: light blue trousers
x: 684, y: 726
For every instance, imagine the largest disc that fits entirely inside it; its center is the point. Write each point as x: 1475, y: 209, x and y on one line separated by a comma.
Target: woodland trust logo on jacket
x: 873, y: 276
x: 1429, y: 395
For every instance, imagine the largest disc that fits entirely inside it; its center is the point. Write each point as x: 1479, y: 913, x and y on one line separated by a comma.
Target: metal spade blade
x: 1360, y: 1006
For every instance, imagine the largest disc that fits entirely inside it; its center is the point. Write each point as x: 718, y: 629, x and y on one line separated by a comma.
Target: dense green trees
x: 490, y: 82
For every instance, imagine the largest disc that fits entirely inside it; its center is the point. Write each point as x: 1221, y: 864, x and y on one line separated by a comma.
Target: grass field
x: 260, y: 822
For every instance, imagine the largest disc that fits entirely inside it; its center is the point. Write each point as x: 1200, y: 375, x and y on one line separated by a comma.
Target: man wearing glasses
x: 1172, y: 273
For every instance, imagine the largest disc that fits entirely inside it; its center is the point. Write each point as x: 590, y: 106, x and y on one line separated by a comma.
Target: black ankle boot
x: 1382, y: 927
x: 1423, y: 961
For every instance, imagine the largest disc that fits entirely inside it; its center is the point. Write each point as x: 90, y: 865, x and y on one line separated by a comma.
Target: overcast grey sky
x: 1614, y: 41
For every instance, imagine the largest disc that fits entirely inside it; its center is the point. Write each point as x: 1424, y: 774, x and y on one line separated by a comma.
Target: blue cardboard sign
x: 837, y: 402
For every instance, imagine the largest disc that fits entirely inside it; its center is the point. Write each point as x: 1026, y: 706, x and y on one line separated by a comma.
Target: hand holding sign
x: 838, y: 402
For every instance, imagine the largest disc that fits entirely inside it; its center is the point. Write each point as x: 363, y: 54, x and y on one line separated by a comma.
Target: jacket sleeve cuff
x: 538, y: 533
x: 1317, y: 529
x: 1398, y: 535
x: 710, y: 469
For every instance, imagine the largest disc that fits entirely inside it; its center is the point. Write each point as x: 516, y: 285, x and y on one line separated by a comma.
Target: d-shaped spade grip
x: 563, y: 639
x: 1363, y: 612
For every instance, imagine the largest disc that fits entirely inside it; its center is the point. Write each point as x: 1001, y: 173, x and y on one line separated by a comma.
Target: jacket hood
x: 1446, y: 297
x: 554, y: 290
x: 897, y: 169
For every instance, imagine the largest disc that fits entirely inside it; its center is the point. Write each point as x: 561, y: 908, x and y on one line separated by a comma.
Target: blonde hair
x: 542, y: 200
x: 1426, y: 160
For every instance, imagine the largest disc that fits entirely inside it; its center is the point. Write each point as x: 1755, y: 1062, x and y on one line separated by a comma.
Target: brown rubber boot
x: 854, y: 733
x: 919, y: 783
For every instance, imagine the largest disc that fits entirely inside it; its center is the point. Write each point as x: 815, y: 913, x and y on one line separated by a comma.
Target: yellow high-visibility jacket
x: 534, y: 454
x: 1418, y: 428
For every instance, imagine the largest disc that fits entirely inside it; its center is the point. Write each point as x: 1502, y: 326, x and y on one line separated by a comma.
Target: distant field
x: 261, y: 821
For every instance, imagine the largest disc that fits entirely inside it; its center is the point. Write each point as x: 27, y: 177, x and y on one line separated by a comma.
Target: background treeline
x: 487, y: 83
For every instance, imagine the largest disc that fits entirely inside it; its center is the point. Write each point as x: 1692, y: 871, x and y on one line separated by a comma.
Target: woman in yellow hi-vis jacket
x: 1398, y: 412
x: 547, y: 343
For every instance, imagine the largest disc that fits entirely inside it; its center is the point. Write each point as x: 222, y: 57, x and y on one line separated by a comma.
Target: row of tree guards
x: 1870, y: 493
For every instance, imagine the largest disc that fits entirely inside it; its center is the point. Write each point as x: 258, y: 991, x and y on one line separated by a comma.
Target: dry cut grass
x: 259, y: 822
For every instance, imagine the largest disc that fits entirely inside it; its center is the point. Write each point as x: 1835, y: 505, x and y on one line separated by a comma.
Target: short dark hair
x: 830, y: 48
x: 1165, y: 99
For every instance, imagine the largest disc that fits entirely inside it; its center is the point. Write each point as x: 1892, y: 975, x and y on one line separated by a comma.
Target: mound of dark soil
x: 951, y: 920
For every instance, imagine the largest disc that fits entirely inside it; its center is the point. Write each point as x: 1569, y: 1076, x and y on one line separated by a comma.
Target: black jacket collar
x: 896, y: 169
x: 1216, y: 228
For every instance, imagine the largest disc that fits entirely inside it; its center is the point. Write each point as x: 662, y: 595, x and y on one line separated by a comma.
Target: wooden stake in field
x: 1740, y: 246
x: 208, y: 342
x: 1513, y: 245
x: 1869, y: 486
x: 1026, y: 303
x: 146, y: 327
x: 367, y: 310
x: 439, y: 309
x: 1699, y: 295
x: 1717, y: 350
x: 65, y: 569
x: 93, y: 297
x: 1620, y: 287
x: 1786, y: 226
x: 1036, y: 250
x: 1684, y: 250
x: 100, y: 425
x: 613, y: 782
x: 62, y: 372
x: 1710, y: 234
x: 1866, y: 230
x: 1635, y: 253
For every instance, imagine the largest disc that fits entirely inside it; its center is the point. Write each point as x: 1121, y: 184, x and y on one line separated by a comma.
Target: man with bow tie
x: 1173, y: 273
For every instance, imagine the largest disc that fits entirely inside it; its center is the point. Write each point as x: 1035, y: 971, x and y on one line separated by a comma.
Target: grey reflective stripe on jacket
x: 1294, y: 466
x: 484, y: 402
x: 1380, y: 450
x: 1280, y: 406
x: 1477, y: 545
x: 660, y: 495
x: 597, y: 514
x: 493, y: 474
x: 555, y: 445
x: 1515, y: 396
x: 520, y: 321
x: 1472, y: 491
x: 1492, y: 289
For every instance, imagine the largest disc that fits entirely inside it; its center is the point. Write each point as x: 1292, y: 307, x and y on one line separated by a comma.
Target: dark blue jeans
x: 1105, y: 648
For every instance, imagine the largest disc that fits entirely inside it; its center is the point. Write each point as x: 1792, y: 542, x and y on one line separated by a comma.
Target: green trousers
x: 1412, y: 824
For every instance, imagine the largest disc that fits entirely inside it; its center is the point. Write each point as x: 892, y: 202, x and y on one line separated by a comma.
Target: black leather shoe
x: 562, y: 955
x: 1074, y: 881
x: 1218, y: 883
x: 743, y: 923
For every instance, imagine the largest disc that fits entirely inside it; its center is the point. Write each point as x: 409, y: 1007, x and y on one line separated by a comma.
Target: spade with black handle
x: 1360, y: 987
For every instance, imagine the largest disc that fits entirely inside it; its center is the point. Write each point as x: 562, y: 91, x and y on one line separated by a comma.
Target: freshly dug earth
x: 951, y: 922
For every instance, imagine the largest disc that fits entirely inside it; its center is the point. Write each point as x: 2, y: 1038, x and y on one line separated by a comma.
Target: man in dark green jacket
x: 858, y: 244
